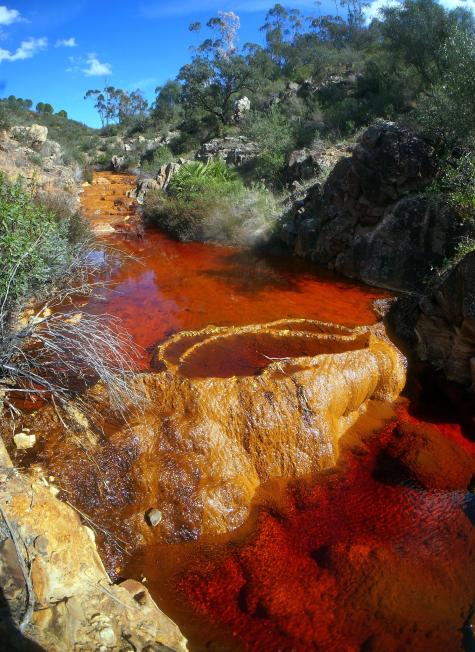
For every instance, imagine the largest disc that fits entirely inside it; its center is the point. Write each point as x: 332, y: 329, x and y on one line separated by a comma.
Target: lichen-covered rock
x: 118, y: 163
x: 33, y: 137
x: 234, y: 150
x: 303, y: 164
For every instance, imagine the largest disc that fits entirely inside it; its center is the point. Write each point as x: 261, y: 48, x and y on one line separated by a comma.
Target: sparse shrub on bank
x: 35, y: 242
x: 210, y: 202
x: 48, y: 257
x: 456, y: 183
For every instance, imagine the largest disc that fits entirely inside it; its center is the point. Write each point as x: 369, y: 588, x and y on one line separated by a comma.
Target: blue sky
x: 55, y: 50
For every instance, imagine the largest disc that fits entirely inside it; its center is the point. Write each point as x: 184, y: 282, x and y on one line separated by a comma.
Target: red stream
x: 377, y: 555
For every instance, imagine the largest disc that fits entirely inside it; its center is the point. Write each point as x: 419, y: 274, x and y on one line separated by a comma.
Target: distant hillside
x: 75, y: 138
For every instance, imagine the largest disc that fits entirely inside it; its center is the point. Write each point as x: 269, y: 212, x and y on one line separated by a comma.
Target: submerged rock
x: 24, y: 441
x: 154, y: 517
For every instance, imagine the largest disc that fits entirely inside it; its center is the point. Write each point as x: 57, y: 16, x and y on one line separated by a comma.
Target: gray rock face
x: 234, y: 150
x: 303, y: 164
x: 445, y: 323
x: 117, y: 162
x: 146, y: 186
x: 33, y: 137
x: 371, y: 221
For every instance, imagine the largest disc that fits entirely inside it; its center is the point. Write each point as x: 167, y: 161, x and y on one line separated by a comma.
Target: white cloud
x: 27, y: 49
x: 9, y: 16
x: 95, y: 68
x: 66, y: 43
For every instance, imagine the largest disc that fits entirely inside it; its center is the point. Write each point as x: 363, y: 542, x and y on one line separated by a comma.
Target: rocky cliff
x: 26, y: 152
x: 440, y: 324
x: 370, y: 220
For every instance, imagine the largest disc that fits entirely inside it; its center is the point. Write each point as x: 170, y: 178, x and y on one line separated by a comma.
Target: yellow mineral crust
x: 227, y: 409
x: 235, y: 407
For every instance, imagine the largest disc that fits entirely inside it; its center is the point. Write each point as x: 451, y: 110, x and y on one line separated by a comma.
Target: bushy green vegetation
x: 456, y: 182
x: 46, y: 259
x: 153, y: 159
x: 37, y: 242
x: 326, y: 77
x: 210, y: 202
x: 274, y: 135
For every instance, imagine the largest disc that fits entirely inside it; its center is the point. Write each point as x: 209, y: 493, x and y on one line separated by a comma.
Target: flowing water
x: 374, y: 554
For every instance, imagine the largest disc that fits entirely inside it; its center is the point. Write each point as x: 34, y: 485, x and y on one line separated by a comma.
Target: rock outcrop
x: 234, y: 150
x: 371, y: 222
x: 33, y: 137
x: 54, y: 584
x: 228, y: 409
x: 25, y: 152
x: 440, y: 325
x: 162, y: 180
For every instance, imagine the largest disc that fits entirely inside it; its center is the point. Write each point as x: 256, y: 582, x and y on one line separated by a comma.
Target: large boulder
x: 228, y: 409
x: 33, y: 137
x: 148, y: 185
x: 303, y: 164
x: 49, y: 561
x: 372, y: 221
x: 118, y: 163
x: 234, y: 150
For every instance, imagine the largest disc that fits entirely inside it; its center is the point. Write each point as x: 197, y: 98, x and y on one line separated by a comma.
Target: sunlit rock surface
x: 107, y: 205
x: 229, y: 409
x: 55, y: 586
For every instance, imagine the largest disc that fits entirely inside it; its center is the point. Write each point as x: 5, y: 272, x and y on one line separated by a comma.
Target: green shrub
x: 210, y: 202
x: 456, y: 183
x: 213, y: 179
x: 275, y: 136
x: 153, y: 160
x: 447, y: 112
x: 5, y: 118
x: 36, y: 242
